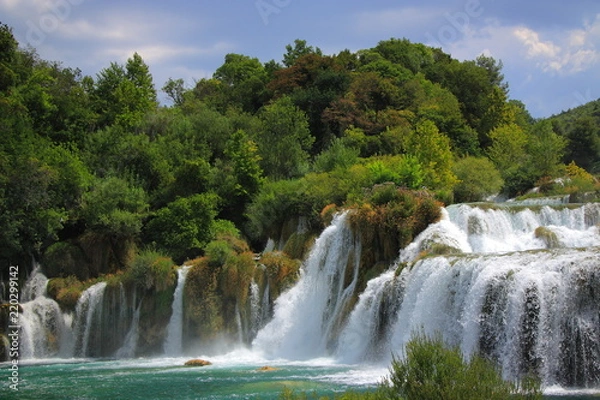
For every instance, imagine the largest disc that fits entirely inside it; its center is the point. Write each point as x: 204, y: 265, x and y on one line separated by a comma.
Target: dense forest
x: 96, y: 175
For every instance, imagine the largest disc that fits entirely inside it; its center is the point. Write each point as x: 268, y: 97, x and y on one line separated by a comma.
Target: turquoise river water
x: 234, y: 376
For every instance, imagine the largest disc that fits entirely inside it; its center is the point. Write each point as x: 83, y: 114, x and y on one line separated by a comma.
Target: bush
x: 282, y: 271
x: 478, y: 179
x: 150, y: 269
x: 66, y: 291
x: 389, y: 219
x: 431, y: 370
x: 185, y: 226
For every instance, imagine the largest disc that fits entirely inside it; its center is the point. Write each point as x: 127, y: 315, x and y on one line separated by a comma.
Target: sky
x: 550, y: 49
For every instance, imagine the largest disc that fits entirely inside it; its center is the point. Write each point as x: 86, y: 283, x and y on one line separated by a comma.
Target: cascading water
x: 42, y: 323
x: 519, y: 284
x: 87, y: 326
x: 173, y: 345
x: 130, y: 344
x: 307, y: 316
x: 530, y: 303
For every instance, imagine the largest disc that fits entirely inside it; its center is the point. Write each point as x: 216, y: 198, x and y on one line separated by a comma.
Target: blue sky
x: 550, y: 49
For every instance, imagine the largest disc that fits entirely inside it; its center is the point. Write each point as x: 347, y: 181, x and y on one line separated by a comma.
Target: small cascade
x: 130, y: 344
x: 42, y: 327
x: 173, y: 345
x: 87, y: 325
x: 364, y: 338
x: 307, y: 316
x: 35, y: 286
x: 239, y: 326
x: 255, y: 309
x: 42, y: 324
x: 505, y: 229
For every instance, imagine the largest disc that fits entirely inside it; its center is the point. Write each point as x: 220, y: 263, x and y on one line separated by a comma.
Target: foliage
x: 337, y: 155
x: 66, y: 291
x: 114, y: 207
x: 151, y: 270
x: 183, y: 227
x: 94, y: 165
x: 478, y: 179
x: 579, y: 127
x: 431, y: 370
x: 389, y: 218
x: 282, y: 271
x: 546, y: 150
x: 284, y: 140
x: 123, y: 94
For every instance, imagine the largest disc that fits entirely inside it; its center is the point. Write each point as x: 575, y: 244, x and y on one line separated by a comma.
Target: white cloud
x: 576, y: 51
x: 534, y: 45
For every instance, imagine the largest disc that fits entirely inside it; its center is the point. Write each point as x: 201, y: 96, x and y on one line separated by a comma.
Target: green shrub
x: 182, y: 228
x: 282, y: 271
x: 431, y: 370
x: 151, y: 270
x: 389, y: 218
x: 66, y: 291
x: 218, y: 252
x: 478, y: 179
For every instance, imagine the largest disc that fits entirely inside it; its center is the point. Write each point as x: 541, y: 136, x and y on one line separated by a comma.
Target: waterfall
x: 130, y: 344
x: 307, y: 316
x: 503, y: 292
x: 35, y: 286
x: 42, y: 327
x: 255, y: 309
x: 173, y: 345
x: 88, y: 314
x: 42, y: 324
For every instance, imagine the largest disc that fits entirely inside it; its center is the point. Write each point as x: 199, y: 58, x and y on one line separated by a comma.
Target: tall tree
x: 284, y: 140
x: 244, y: 81
x: 546, y: 150
x: 124, y: 94
x: 299, y: 49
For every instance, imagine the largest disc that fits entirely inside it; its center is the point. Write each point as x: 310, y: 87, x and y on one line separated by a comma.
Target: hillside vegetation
x: 95, y: 173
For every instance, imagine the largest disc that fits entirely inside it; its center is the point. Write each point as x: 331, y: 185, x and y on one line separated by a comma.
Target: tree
x: 477, y: 177
x: 124, y: 94
x: 413, y: 56
x: 175, y: 90
x: 298, y: 50
x: 508, y: 153
x: 507, y: 150
x: 242, y: 152
x: 183, y: 227
x: 432, y: 151
x: 8, y: 52
x: 115, y: 208
x: 244, y: 81
x: 546, y: 150
x: 284, y: 140
x: 584, y: 143
x: 313, y: 82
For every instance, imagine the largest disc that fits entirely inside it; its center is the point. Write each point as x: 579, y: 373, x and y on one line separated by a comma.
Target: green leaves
x: 115, y: 207
x: 284, y: 140
x: 183, y: 227
x: 124, y: 94
x: 478, y: 178
x: 432, y: 370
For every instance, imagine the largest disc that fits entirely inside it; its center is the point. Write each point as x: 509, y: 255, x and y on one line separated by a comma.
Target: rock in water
x: 197, y: 363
